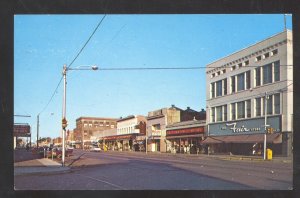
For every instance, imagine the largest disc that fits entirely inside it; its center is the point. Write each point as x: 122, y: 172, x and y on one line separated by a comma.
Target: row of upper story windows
x: 126, y: 130
x: 246, y: 63
x: 262, y: 75
x: 101, y: 124
x: 242, y: 109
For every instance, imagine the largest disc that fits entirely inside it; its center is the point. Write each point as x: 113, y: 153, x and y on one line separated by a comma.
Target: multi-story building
x: 239, y: 86
x: 129, y: 134
x: 86, y: 127
x: 156, y: 127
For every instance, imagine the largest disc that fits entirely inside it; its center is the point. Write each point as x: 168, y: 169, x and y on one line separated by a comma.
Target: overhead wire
x: 98, y: 25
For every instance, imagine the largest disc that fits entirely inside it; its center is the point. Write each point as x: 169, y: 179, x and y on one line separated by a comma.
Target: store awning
x: 274, y: 138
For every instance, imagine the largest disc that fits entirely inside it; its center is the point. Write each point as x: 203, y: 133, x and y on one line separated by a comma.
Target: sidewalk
x: 216, y: 156
x: 32, y: 164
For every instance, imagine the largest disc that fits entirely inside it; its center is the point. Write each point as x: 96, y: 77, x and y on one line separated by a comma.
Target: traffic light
x: 270, y: 130
x: 64, y: 123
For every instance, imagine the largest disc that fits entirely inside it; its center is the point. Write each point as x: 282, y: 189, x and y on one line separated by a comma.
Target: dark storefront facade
x: 186, y: 137
x: 120, y: 142
x: 246, y: 137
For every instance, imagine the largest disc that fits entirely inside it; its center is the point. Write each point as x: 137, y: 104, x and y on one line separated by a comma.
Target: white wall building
x: 236, y: 88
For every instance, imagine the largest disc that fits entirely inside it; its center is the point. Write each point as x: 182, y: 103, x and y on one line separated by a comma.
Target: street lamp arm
x: 93, y: 67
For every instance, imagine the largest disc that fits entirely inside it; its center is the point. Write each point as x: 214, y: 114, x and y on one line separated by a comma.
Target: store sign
x: 22, y: 130
x: 250, y: 126
x: 156, y: 133
x: 196, y: 130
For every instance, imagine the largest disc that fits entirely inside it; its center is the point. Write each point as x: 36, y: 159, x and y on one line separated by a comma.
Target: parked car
x: 57, y: 152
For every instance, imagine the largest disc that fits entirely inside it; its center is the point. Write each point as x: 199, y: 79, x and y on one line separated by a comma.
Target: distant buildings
x: 86, y: 127
x: 236, y: 89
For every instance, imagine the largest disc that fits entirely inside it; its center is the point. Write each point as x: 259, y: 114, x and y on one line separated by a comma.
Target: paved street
x: 138, y: 171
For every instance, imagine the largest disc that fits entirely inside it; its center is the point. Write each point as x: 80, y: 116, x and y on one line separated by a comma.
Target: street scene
x: 153, y: 102
x: 115, y: 170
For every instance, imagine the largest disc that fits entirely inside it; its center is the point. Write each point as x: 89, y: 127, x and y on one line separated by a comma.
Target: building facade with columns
x: 238, y: 87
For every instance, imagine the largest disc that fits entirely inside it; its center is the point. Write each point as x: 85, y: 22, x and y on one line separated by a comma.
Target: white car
x: 95, y: 149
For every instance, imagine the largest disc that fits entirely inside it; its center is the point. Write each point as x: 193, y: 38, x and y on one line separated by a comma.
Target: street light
x: 64, y: 120
x: 265, y: 135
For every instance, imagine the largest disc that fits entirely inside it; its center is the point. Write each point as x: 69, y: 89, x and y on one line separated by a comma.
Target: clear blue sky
x: 44, y: 43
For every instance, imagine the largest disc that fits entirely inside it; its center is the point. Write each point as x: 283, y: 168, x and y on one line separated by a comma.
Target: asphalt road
x: 136, y: 171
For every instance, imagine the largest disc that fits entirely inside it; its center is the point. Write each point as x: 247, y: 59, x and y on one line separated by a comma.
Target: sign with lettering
x: 249, y: 126
x: 156, y: 133
x: 186, y: 131
x: 22, y: 130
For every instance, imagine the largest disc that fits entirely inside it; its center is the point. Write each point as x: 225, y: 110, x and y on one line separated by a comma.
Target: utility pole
x: 37, y: 131
x: 64, y: 115
x: 284, y: 22
x: 265, y: 134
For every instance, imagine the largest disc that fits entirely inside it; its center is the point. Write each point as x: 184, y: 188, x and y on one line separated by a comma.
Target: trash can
x: 269, y: 154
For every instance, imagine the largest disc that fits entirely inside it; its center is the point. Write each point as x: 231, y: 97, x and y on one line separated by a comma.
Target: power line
x: 176, y: 68
x: 74, y: 61
x: 87, y: 40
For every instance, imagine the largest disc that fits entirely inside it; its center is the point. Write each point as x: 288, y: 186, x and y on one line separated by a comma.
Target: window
x: 213, y: 75
x: 107, y: 124
x: 101, y: 123
x: 266, y: 55
x: 225, y: 86
x: 241, y: 109
x: 240, y: 82
x: 274, y: 52
x: 233, y: 111
x: 248, y: 108
x: 112, y: 126
x: 248, y: 80
x: 219, y: 88
x: 246, y: 63
x: 276, y: 71
x: 212, y: 85
x: 90, y: 125
x: 224, y: 71
x: 233, y: 68
x: 258, y: 106
x: 85, y: 125
x: 277, y: 103
x: 269, y: 105
x: 240, y: 65
x: 267, y: 73
x: 219, y: 73
x: 212, y: 114
x: 225, y: 112
x: 257, y: 76
x: 258, y: 58
x: 219, y: 113
x: 232, y: 84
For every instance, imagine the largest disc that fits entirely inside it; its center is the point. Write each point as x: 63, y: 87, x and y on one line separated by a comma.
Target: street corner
x: 19, y: 171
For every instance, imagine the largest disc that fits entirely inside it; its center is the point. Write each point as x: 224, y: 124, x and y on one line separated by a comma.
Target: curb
x: 43, y: 171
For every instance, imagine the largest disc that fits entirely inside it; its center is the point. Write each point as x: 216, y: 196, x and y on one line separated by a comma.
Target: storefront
x: 120, y: 142
x: 185, y: 137
x: 245, y: 137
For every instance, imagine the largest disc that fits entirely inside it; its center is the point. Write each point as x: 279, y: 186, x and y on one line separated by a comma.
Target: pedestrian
x: 27, y: 147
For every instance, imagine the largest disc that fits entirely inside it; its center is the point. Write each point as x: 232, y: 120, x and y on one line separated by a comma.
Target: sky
x: 44, y: 43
